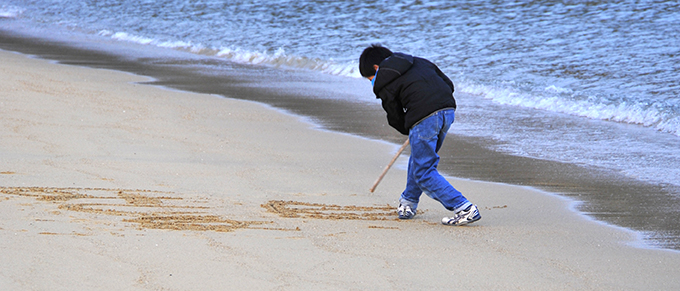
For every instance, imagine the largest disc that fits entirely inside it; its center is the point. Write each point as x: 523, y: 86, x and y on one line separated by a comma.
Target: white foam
x: 658, y: 114
x: 132, y: 38
x: 555, y: 89
x: 280, y: 58
x: 180, y: 45
x: 8, y: 11
x: 277, y: 58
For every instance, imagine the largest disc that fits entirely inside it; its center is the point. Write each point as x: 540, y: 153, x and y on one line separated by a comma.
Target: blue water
x: 586, y: 82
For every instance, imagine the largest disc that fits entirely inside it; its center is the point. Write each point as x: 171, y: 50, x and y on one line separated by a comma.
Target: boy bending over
x: 418, y: 99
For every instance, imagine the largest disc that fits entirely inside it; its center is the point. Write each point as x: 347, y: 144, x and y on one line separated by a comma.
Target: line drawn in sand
x: 295, y: 209
x: 145, y: 208
x: 148, y: 209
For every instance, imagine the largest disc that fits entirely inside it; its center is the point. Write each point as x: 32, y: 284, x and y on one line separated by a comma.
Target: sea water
x: 593, y: 83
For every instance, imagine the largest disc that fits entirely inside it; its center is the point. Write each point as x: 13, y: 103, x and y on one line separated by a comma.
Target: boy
x: 418, y: 99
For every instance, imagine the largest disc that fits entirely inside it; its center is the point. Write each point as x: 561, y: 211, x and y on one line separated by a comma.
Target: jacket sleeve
x: 395, y: 112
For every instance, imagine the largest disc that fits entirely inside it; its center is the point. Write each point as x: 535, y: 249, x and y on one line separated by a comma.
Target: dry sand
x: 107, y: 184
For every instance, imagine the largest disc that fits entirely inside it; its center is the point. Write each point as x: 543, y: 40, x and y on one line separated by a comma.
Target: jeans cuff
x: 413, y: 205
x: 462, y: 207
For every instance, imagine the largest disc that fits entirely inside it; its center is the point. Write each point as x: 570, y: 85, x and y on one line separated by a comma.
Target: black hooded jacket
x: 411, y: 88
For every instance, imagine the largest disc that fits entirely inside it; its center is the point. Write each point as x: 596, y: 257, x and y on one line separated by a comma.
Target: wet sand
x: 107, y: 183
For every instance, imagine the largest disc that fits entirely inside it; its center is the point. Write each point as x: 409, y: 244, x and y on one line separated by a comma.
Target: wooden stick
x: 389, y: 166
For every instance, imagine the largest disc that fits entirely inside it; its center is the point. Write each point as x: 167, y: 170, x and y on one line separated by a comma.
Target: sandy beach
x: 106, y: 184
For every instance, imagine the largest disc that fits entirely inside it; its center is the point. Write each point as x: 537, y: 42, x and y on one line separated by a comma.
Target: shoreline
x: 91, y: 156
x: 600, y: 192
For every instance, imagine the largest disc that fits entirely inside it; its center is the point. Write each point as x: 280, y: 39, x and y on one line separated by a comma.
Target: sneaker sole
x: 478, y: 217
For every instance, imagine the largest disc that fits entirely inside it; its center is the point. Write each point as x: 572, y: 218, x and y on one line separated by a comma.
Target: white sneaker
x: 469, y: 215
x: 405, y: 212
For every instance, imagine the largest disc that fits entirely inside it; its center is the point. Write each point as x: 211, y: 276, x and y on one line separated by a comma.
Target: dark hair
x: 372, y: 55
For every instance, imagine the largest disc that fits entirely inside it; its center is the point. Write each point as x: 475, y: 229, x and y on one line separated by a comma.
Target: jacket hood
x: 390, y: 69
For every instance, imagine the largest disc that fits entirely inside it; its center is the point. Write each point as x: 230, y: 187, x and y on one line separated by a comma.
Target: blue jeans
x: 426, y: 139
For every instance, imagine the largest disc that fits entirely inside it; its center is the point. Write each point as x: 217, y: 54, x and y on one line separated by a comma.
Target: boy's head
x: 371, y: 56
